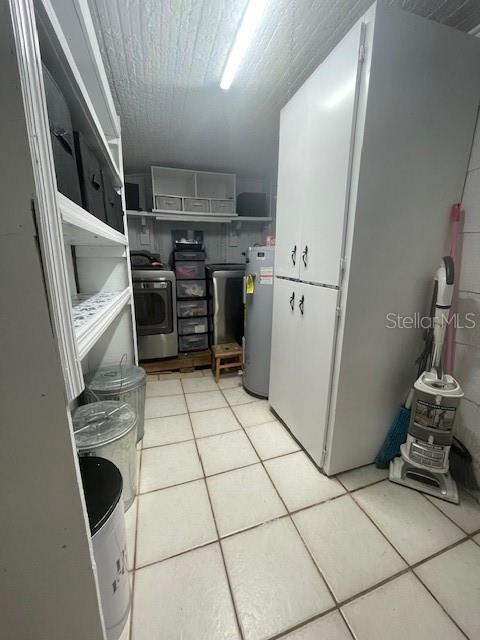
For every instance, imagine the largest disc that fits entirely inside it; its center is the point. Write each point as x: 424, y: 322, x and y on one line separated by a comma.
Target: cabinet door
x: 291, y: 191
x: 332, y: 96
x: 283, y: 371
x: 316, y: 315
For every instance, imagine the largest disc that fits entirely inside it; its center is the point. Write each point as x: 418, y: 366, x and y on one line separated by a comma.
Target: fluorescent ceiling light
x: 250, y: 21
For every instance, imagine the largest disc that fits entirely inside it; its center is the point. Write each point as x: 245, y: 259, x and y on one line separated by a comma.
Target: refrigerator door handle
x: 301, y: 304
x: 292, y: 301
x: 305, y: 255
x: 294, y: 255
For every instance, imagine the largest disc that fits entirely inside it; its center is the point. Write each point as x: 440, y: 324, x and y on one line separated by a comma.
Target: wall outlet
x: 145, y: 235
x: 234, y: 237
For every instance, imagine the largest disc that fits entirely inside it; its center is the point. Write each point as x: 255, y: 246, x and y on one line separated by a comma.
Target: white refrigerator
x: 373, y: 151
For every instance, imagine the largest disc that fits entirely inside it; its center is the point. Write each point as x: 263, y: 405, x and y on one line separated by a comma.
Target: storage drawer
x: 193, y: 343
x: 168, y: 203
x: 189, y: 270
x: 189, y: 326
x: 222, y: 206
x: 197, y: 205
x: 191, y: 308
x: 191, y: 288
x: 188, y: 256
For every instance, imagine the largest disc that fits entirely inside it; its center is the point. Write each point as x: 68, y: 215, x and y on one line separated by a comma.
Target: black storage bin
x: 132, y: 196
x: 90, y: 175
x: 252, y: 204
x: 63, y: 144
x: 113, y: 203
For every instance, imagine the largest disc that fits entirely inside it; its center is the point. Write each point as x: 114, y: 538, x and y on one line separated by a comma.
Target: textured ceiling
x: 164, y: 59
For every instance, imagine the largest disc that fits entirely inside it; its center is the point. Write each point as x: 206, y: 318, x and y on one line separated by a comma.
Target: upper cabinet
x: 316, y: 128
x: 332, y: 93
x: 197, y: 192
x: 292, y: 173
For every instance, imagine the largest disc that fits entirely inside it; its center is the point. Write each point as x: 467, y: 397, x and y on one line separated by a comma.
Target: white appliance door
x: 291, y: 192
x: 332, y: 96
x: 316, y: 315
x: 283, y: 369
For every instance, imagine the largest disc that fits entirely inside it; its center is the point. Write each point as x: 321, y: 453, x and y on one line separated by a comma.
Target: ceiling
x: 164, y: 59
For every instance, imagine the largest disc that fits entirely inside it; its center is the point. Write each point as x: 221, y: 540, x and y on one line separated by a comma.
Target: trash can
x: 120, y: 382
x: 108, y: 430
x: 102, y: 486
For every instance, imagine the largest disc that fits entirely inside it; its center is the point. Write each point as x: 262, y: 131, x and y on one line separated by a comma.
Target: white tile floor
x: 236, y: 535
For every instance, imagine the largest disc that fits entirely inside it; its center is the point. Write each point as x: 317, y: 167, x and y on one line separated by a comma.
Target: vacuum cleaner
x: 423, y: 463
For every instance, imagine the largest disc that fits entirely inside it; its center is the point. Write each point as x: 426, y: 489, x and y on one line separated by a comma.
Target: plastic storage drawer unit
x: 168, y: 203
x: 222, y: 206
x: 191, y: 308
x: 188, y: 256
x: 189, y: 270
x: 193, y: 343
x: 188, y: 326
x: 191, y: 288
x: 197, y: 205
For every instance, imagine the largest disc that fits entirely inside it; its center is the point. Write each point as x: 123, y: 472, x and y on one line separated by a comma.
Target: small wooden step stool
x: 225, y: 356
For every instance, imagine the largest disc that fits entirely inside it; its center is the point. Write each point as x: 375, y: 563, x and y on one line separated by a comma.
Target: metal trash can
x: 107, y: 429
x: 102, y: 486
x: 120, y: 382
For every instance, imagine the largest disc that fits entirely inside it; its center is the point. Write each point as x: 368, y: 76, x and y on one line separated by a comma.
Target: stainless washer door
x: 153, y: 307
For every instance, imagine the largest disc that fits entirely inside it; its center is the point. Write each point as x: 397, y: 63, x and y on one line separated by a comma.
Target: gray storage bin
x: 187, y: 326
x: 168, y: 203
x: 188, y: 256
x: 189, y: 270
x: 222, y: 206
x: 191, y: 288
x: 197, y: 205
x: 193, y: 343
x: 109, y: 430
x: 120, y: 382
x: 191, y: 308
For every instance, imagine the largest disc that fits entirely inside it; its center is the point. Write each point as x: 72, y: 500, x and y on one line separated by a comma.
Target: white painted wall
x: 467, y: 344
x: 223, y: 242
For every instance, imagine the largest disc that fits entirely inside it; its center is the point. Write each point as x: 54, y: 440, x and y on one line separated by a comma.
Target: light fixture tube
x: 250, y: 21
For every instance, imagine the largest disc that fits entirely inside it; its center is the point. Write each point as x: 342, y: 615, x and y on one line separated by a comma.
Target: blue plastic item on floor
x: 396, y: 436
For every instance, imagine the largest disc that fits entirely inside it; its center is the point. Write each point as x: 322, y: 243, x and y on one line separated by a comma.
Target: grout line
x: 440, y: 605
x: 409, y: 567
x: 288, y: 512
x: 194, y: 437
x: 303, y: 624
x: 237, y: 618
x: 134, y: 559
x: 444, y: 514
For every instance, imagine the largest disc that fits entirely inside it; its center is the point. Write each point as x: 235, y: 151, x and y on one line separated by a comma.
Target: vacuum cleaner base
x: 439, y: 485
